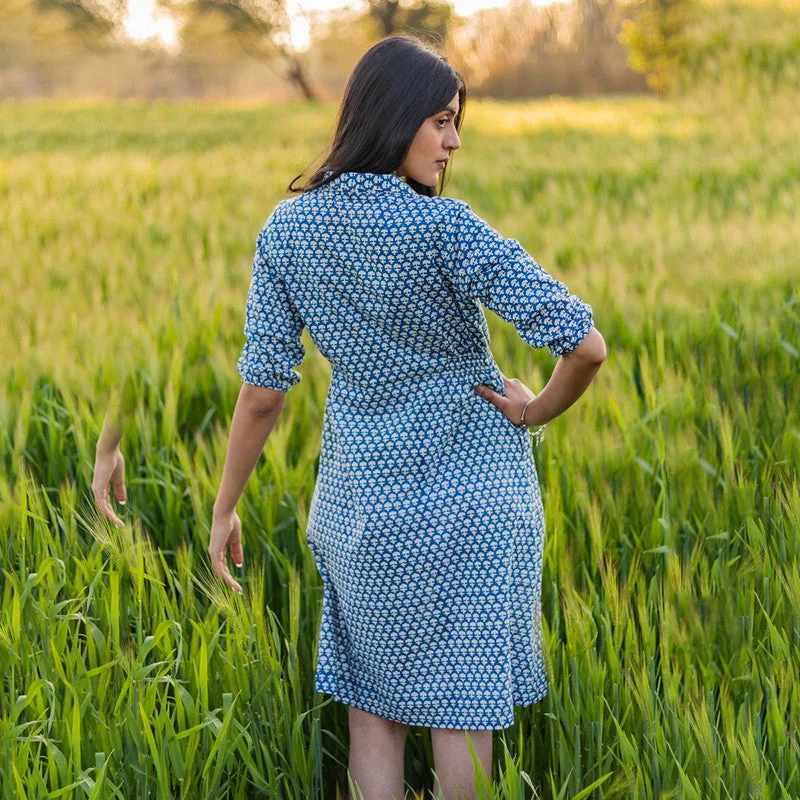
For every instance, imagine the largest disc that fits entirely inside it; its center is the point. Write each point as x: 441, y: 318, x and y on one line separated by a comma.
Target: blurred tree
x: 338, y: 37
x: 38, y: 37
x: 422, y: 17
x: 93, y: 23
x: 260, y: 28
x: 653, y: 34
x: 599, y: 50
x: 524, y: 49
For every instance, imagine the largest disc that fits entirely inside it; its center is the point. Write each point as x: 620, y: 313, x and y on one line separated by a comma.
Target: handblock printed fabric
x: 426, y: 520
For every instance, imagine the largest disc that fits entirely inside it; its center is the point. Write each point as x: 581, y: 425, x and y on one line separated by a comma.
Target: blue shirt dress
x: 426, y: 520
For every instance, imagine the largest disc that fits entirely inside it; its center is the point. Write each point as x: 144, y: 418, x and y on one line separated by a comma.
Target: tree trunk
x: 386, y: 11
x: 32, y: 81
x: 297, y: 77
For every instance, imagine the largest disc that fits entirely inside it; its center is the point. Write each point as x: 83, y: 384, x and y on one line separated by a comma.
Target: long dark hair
x: 395, y: 86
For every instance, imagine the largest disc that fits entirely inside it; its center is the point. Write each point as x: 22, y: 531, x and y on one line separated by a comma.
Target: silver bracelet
x: 537, y: 434
x: 524, y: 409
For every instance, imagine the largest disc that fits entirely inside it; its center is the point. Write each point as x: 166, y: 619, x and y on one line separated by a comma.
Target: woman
x: 426, y: 520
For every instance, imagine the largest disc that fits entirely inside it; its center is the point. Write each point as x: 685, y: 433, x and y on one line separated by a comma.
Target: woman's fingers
x: 118, y: 480
x: 235, y: 542
x: 495, y: 398
x: 510, y: 403
x: 224, y: 531
x: 488, y: 393
x: 220, y: 566
x: 104, y: 506
x: 109, y: 512
x: 104, y: 467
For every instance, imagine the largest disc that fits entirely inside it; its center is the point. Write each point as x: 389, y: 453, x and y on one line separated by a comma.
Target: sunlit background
x: 144, y: 22
x: 306, y: 49
x: 645, y: 152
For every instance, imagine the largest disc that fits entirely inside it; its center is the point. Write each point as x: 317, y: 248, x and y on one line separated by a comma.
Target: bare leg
x: 376, y: 756
x: 455, y: 774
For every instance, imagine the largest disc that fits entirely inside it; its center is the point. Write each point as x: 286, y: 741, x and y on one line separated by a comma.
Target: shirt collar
x: 368, y: 182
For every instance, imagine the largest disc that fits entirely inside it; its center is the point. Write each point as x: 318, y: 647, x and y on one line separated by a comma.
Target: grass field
x: 671, y: 583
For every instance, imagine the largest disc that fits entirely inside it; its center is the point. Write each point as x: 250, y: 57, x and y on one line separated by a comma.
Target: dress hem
x: 391, y: 712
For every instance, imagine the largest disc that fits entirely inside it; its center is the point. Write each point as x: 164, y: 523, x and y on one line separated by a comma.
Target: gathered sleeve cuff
x: 273, y: 326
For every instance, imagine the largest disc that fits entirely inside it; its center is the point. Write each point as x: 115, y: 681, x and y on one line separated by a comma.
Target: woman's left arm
x: 267, y: 365
x: 257, y: 410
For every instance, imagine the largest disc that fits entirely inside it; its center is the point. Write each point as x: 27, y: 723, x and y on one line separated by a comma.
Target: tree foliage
x: 65, y: 24
x: 39, y: 38
x: 426, y: 18
x: 524, y: 49
x: 92, y: 22
x: 653, y: 34
x: 260, y: 28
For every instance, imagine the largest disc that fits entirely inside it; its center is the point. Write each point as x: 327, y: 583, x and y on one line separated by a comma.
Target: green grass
x: 671, y: 583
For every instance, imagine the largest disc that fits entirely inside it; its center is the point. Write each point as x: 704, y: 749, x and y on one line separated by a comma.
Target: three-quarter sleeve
x: 273, y: 326
x: 483, y: 265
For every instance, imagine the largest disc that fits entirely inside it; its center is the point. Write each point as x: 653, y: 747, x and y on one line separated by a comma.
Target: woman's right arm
x: 483, y: 265
x: 571, y: 377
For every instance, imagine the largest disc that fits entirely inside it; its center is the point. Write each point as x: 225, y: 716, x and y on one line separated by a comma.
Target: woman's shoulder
x: 444, y: 214
x: 283, y: 215
x: 454, y: 208
x: 453, y: 213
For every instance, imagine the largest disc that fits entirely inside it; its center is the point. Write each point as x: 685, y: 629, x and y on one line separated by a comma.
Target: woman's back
x: 426, y: 520
x: 387, y: 281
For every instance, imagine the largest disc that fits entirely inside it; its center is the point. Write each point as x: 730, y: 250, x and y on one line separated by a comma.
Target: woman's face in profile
x: 431, y: 146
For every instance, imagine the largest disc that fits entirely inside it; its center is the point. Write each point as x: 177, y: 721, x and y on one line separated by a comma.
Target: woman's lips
x: 441, y: 164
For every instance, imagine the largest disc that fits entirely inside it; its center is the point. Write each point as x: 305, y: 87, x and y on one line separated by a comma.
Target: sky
x: 143, y: 22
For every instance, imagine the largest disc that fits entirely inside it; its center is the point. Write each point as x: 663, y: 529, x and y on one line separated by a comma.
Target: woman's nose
x: 454, y: 143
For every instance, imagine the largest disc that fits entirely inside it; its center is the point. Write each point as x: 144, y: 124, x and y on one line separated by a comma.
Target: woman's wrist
x: 223, y: 510
x: 528, y: 417
x: 109, y: 439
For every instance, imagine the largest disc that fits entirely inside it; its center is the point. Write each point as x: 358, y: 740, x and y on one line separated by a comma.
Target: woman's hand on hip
x: 513, y: 401
x: 226, y: 529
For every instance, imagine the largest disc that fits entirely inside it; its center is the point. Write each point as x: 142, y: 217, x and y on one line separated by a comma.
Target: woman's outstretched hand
x: 109, y: 470
x: 512, y: 403
x: 226, y: 529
